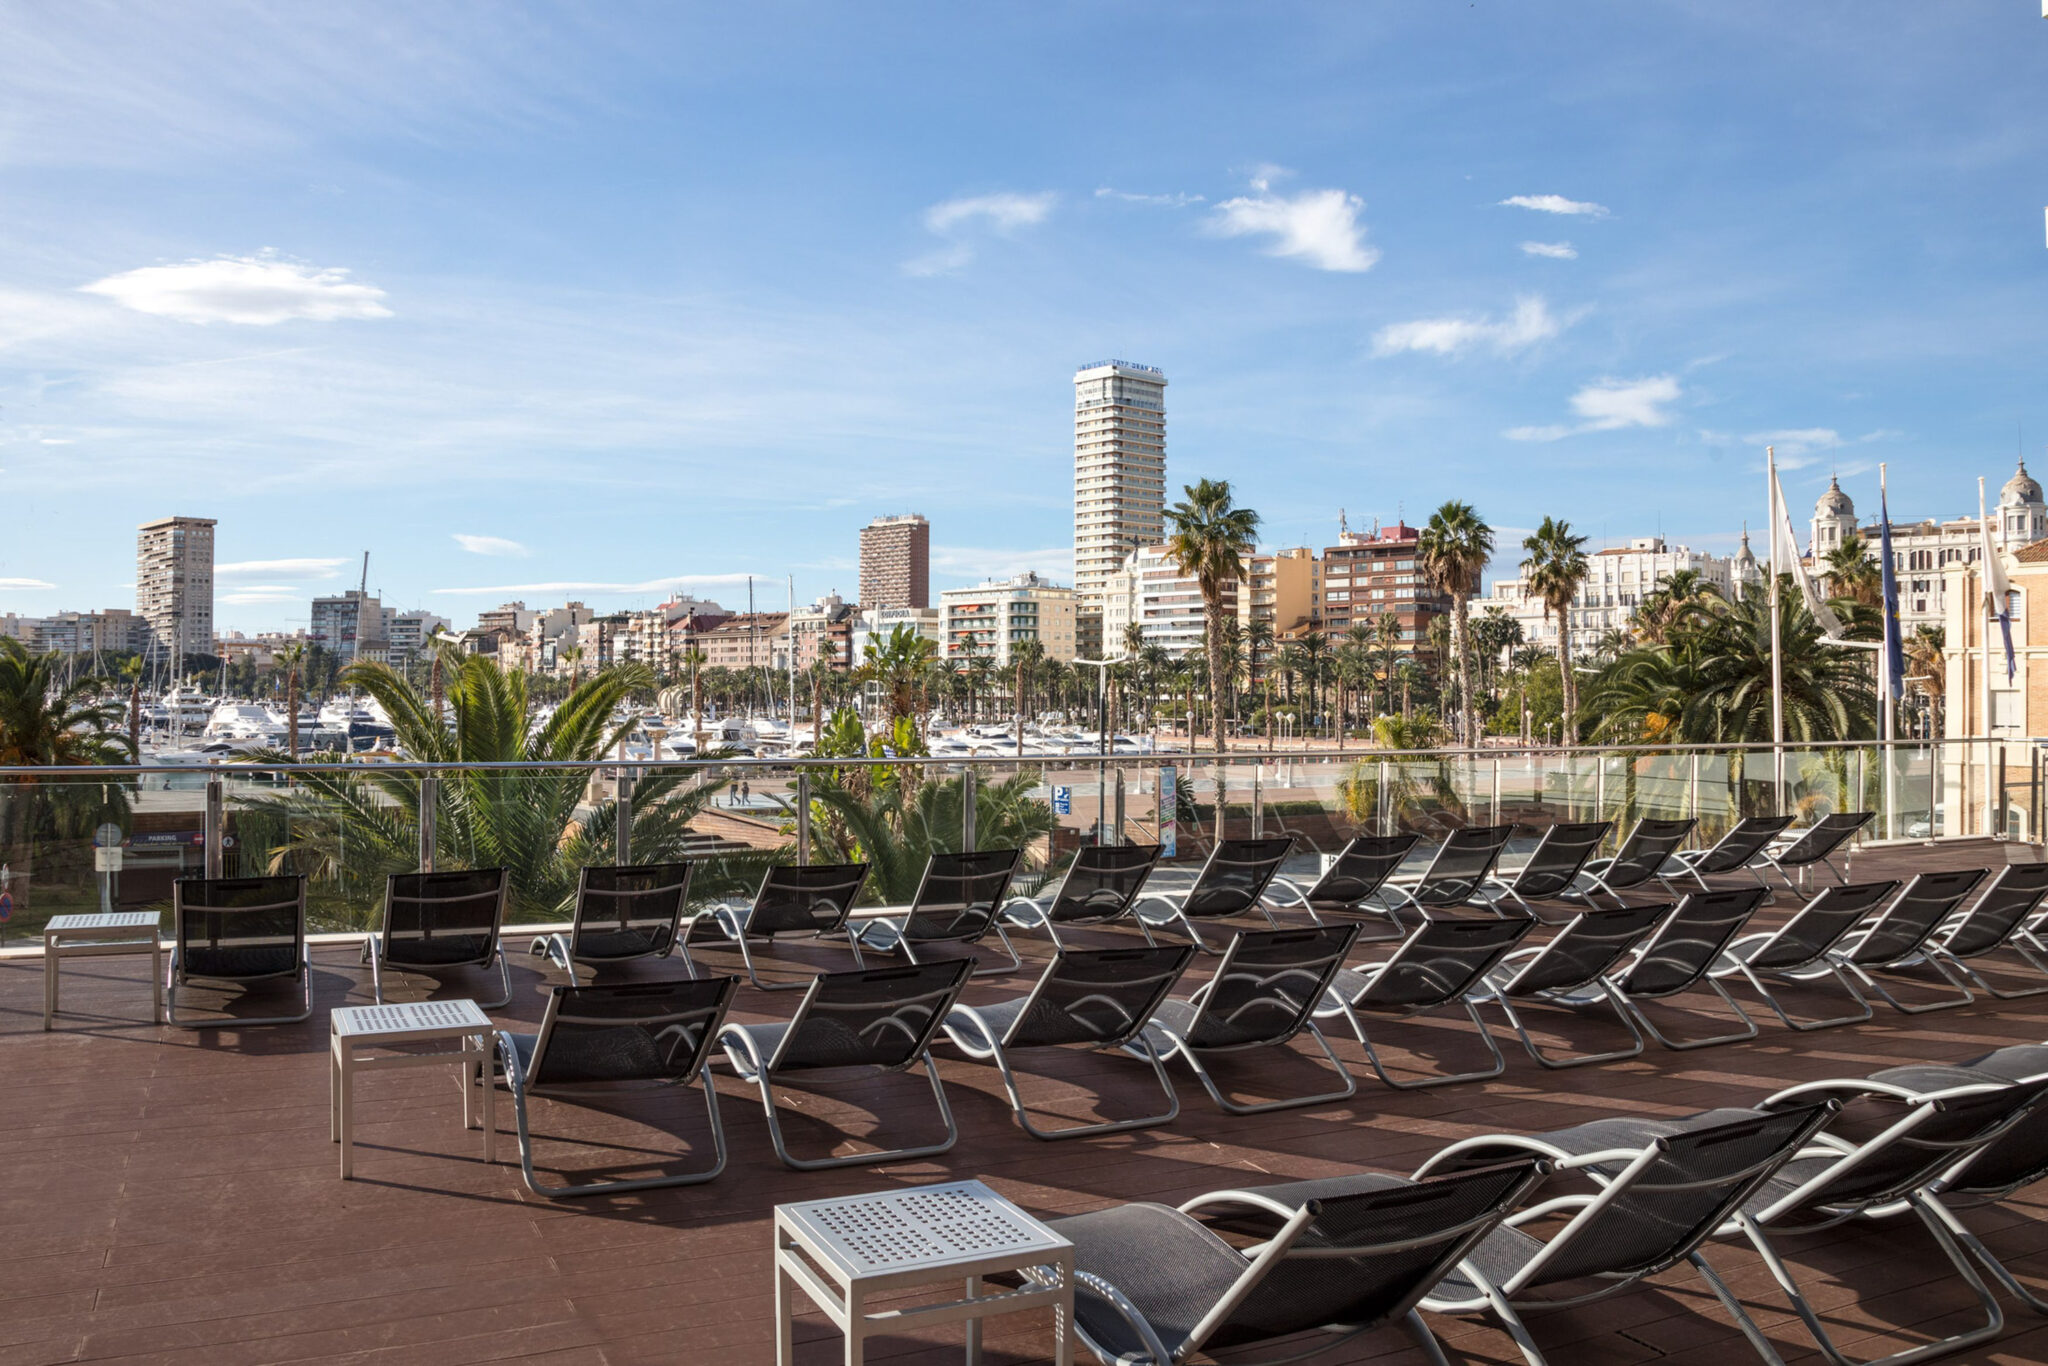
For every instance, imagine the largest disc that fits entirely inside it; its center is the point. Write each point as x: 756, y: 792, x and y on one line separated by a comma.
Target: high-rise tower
x: 896, y: 562
x: 174, y: 586
x: 1119, y: 469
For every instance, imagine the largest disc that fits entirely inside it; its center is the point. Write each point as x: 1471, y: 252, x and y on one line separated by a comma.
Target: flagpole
x: 1889, y: 732
x: 1984, y: 594
x: 1777, y: 651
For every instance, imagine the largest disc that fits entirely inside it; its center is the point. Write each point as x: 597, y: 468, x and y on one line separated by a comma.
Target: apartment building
x: 896, y: 562
x: 876, y: 624
x: 114, y: 631
x: 994, y: 617
x: 1371, y: 575
x: 1119, y: 475
x: 1152, y: 593
x: 825, y: 625
x: 351, y: 626
x: 1617, y: 581
x: 749, y: 640
x: 174, y: 585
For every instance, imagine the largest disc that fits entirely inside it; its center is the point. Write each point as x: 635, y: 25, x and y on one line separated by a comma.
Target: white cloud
x: 1170, y: 201
x: 513, y: 590
x: 1317, y: 227
x: 25, y: 585
x: 1556, y: 251
x: 1556, y: 203
x: 254, y: 290
x: 981, y: 562
x: 490, y: 545
x: 280, y: 569
x: 1607, y: 405
x: 1531, y: 322
x: 958, y: 219
x: 261, y: 593
x: 1796, y: 445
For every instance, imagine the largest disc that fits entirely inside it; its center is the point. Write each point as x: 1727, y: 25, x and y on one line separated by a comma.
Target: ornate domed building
x: 1834, y: 520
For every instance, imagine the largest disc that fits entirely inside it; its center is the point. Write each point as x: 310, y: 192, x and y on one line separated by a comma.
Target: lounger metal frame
x: 937, y: 891
x: 1474, y: 945
x: 1123, y: 1007
x: 786, y: 891
x: 1644, y: 855
x: 1810, y: 936
x: 1735, y: 852
x: 1078, y: 900
x: 526, y: 1079
x: 1687, y: 949
x: 377, y: 949
x: 1262, y: 856
x: 1295, y: 984
x: 932, y: 991
x: 176, y: 968
x: 1355, y: 884
x: 1577, y: 960
x: 1552, y: 870
x: 566, y: 951
x: 1925, y: 904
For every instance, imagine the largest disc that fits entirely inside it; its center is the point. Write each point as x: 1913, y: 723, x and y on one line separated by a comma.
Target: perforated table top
x: 102, y: 922
x: 964, y: 1221
x: 419, y: 1019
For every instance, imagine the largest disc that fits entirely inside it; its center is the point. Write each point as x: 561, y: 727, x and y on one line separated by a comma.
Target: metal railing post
x: 1258, y: 805
x: 622, y: 846
x: 1857, y: 805
x: 215, y: 821
x: 1599, y: 787
x: 1692, y: 796
x: 803, y: 816
x: 1385, y: 800
x: 430, y: 810
x: 967, y: 804
x: 2004, y: 798
x: 1119, y: 806
x: 1496, y: 791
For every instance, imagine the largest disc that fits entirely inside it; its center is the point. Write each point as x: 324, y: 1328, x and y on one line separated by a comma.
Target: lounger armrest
x: 1244, y: 1199
x: 1127, y: 1311
x: 1525, y: 1143
x: 1554, y: 1206
x: 1300, y: 893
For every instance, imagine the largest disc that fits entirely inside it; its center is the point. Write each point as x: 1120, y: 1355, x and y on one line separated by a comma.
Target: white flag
x: 1997, y: 594
x: 1785, y: 560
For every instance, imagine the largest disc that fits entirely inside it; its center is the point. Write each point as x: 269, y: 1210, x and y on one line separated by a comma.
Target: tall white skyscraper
x: 1119, y: 469
x: 174, y: 585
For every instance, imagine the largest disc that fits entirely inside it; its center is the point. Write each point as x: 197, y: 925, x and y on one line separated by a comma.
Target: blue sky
x: 600, y: 300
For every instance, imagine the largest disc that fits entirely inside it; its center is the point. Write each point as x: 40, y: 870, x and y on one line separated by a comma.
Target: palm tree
x: 1853, y: 573
x: 821, y: 668
x: 1026, y: 655
x: 898, y: 663
x: 1453, y: 550
x: 292, y: 657
x: 1208, y: 539
x: 46, y: 721
x: 1925, y: 666
x: 1674, y: 602
x: 350, y: 828
x: 1557, y: 566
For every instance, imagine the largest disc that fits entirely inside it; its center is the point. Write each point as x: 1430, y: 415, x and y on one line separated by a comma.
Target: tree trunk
x: 1214, y: 608
x: 1568, y: 725
x: 1468, y: 710
x: 291, y: 707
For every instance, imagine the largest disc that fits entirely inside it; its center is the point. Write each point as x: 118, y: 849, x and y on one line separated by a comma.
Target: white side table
x: 97, y: 934
x: 357, y: 1027
x: 871, y: 1244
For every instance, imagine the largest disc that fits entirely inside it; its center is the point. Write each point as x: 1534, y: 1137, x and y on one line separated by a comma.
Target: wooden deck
x: 171, y: 1196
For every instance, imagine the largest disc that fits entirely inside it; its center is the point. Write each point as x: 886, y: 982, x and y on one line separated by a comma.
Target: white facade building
x: 1119, y: 468
x: 1924, y: 552
x: 994, y: 617
x: 350, y: 626
x: 1166, y: 605
x: 877, y: 624
x: 411, y: 634
x: 1617, y: 581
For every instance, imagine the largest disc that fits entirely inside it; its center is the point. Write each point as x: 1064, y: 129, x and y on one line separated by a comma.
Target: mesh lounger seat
x: 2016, y: 1160
x: 1457, y: 874
x: 1569, y: 969
x: 1882, y: 1176
x: 1678, y: 958
x: 1154, y: 1286
x: 1641, y: 860
x: 958, y: 901
x: 1652, y: 1206
x: 1801, y: 950
x: 624, y: 913
x: 437, y: 922
x: 1354, y: 886
x: 1263, y: 994
x: 1092, y: 998
x: 812, y: 899
x: 610, y: 1035
x: 2005, y: 917
x: 1800, y: 850
x: 1232, y: 883
x: 1897, y: 940
x: 1552, y: 870
x: 239, y: 930
x: 1735, y: 852
x: 873, y: 1020
x: 1441, y: 964
x: 1101, y: 885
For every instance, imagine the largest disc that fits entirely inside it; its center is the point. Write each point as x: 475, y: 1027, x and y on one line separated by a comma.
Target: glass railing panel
x: 53, y: 829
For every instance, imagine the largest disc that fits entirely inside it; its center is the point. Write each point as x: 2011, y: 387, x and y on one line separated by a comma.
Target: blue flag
x: 1894, y: 648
